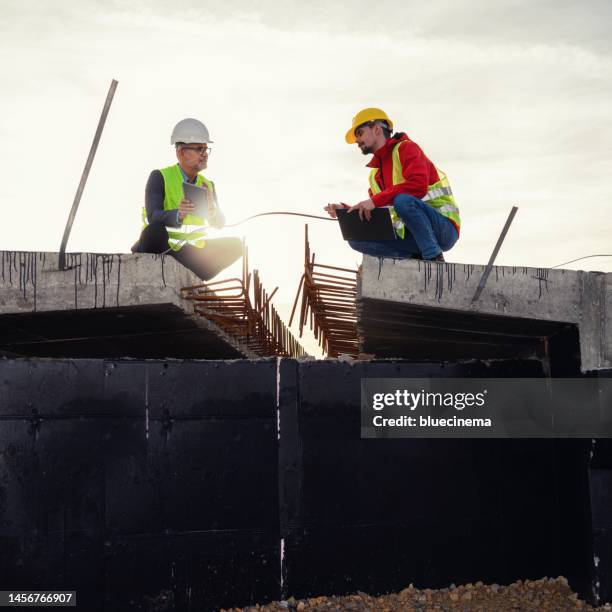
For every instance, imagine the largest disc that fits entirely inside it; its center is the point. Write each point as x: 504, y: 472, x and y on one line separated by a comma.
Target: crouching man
x: 424, y: 213
x: 171, y: 224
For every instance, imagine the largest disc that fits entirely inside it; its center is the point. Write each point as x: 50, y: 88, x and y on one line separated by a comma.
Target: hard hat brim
x: 350, y: 136
x: 191, y: 141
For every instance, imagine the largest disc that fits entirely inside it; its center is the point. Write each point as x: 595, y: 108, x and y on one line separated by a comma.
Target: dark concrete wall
x: 164, y: 486
x: 600, y: 481
x: 184, y: 517
x: 377, y: 514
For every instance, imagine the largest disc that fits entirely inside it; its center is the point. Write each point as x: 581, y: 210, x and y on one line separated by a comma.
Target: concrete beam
x: 96, y: 294
x: 32, y: 282
x: 517, y: 303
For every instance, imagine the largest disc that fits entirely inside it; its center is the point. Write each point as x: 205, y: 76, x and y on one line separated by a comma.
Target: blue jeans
x: 427, y: 232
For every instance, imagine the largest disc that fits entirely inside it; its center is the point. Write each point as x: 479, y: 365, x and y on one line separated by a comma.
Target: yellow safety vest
x: 190, y: 232
x: 439, y: 195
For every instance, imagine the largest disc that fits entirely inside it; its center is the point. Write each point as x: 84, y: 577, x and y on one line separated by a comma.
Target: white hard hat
x: 189, y: 131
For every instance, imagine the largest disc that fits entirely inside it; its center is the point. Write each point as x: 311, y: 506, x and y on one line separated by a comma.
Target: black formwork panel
x: 600, y: 480
x: 378, y: 514
x: 141, y: 485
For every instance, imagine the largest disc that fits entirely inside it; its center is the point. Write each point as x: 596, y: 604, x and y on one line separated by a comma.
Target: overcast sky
x: 512, y: 99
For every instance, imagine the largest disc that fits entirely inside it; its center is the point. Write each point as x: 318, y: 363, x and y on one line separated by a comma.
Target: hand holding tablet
x: 199, y: 198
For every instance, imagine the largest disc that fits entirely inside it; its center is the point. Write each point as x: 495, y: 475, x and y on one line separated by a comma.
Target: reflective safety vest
x: 191, y: 231
x: 439, y: 195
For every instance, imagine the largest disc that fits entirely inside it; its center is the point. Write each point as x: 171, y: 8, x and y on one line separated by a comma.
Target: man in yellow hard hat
x: 423, y: 210
x: 171, y: 222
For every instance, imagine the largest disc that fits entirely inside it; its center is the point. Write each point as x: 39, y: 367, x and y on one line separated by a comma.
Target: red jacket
x: 418, y: 171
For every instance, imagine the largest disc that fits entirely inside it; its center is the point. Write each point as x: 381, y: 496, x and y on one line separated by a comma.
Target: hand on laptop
x: 365, y: 209
x: 331, y: 209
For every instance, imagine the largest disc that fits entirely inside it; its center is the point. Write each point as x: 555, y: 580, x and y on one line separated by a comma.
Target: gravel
x: 546, y: 594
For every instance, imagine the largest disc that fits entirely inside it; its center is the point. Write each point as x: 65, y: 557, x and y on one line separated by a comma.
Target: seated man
x: 424, y: 213
x: 170, y: 221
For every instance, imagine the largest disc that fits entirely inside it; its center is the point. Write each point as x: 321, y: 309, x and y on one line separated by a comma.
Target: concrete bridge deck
x: 104, y: 305
x: 424, y: 310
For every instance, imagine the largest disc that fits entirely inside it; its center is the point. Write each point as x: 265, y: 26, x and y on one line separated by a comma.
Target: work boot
x: 439, y: 257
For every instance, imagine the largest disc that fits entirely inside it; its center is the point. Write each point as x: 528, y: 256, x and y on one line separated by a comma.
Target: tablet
x: 379, y: 227
x: 198, y: 197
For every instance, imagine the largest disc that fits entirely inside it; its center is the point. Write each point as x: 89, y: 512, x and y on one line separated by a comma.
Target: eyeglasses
x: 199, y: 150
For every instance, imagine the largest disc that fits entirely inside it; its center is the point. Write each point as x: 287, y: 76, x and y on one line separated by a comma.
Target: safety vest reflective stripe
x: 436, y: 193
x: 186, y: 229
x: 191, y: 231
x: 448, y: 208
x: 439, y: 195
x: 179, y: 242
x: 185, y: 234
x: 398, y: 224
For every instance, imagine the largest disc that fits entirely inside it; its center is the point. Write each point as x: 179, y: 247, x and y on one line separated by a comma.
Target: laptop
x: 379, y: 227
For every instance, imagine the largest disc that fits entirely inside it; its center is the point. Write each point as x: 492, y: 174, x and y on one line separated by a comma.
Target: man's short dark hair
x: 385, y: 127
x: 383, y: 124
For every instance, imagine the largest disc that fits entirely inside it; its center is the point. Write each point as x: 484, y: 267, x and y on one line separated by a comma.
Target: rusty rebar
x: 328, y: 305
x: 242, y: 308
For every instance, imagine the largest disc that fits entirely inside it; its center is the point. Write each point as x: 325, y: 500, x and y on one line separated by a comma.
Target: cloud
x: 506, y: 97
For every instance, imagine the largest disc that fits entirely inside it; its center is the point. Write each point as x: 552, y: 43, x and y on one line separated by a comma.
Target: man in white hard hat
x: 423, y: 210
x: 171, y: 224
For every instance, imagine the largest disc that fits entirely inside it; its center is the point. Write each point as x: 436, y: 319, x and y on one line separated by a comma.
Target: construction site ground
x: 546, y: 594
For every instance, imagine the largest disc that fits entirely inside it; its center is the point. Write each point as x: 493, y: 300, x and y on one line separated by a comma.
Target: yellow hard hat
x: 367, y: 114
